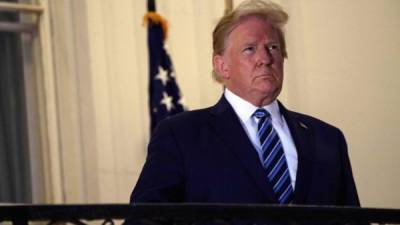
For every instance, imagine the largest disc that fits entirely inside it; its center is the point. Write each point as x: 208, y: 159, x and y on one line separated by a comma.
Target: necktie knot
x: 261, y: 113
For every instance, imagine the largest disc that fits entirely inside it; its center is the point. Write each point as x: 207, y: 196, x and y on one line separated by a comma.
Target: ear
x: 220, y: 66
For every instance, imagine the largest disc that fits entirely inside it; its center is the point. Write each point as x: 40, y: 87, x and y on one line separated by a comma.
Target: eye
x: 273, y: 47
x: 248, y: 49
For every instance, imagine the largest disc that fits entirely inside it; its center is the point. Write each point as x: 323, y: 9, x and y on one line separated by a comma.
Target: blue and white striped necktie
x: 273, y: 157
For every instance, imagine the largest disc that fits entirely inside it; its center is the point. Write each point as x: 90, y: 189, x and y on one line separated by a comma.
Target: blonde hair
x: 266, y: 10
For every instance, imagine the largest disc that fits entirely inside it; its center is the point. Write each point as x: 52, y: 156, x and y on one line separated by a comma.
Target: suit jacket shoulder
x: 188, y: 118
x: 305, y: 120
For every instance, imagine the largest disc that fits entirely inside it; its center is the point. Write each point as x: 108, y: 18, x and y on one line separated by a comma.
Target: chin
x: 270, y: 91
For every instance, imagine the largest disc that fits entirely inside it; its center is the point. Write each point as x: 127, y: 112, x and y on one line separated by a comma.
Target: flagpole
x: 151, y: 6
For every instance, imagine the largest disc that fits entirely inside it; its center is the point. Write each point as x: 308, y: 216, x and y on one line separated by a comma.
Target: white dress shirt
x: 244, y: 110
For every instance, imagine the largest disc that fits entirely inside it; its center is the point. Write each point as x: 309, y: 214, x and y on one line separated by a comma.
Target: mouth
x: 265, y: 75
x: 268, y: 76
x: 266, y: 72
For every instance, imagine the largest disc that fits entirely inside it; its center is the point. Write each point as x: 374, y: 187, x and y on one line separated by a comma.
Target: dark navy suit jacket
x: 206, y: 156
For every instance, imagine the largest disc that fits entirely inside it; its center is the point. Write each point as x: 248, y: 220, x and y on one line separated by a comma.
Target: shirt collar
x: 245, y: 109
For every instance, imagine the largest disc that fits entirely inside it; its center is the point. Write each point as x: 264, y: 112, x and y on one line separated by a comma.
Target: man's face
x: 252, y: 64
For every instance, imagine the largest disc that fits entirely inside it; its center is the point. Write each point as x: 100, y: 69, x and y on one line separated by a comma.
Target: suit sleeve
x: 161, y: 179
x: 348, y: 193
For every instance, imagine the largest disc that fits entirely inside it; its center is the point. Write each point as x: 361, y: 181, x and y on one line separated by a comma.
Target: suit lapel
x: 302, y: 135
x: 229, y: 129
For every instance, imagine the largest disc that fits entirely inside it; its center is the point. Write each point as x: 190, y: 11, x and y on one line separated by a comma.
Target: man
x: 248, y: 148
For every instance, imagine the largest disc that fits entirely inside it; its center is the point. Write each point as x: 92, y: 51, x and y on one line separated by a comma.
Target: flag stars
x: 167, y: 101
x: 162, y: 76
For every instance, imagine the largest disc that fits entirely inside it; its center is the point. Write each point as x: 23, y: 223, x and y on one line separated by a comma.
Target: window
x: 15, y: 66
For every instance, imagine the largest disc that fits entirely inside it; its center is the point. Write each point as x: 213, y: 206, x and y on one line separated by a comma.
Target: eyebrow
x: 249, y: 43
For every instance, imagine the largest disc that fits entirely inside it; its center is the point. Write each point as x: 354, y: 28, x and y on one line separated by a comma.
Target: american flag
x: 165, y: 97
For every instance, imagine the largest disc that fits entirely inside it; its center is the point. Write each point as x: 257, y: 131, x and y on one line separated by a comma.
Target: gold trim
x: 158, y: 19
x: 228, y: 6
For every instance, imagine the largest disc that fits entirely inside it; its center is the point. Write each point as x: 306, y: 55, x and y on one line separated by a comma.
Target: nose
x: 265, y: 57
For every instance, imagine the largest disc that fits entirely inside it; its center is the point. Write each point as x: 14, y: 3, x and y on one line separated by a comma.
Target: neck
x: 255, y: 99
